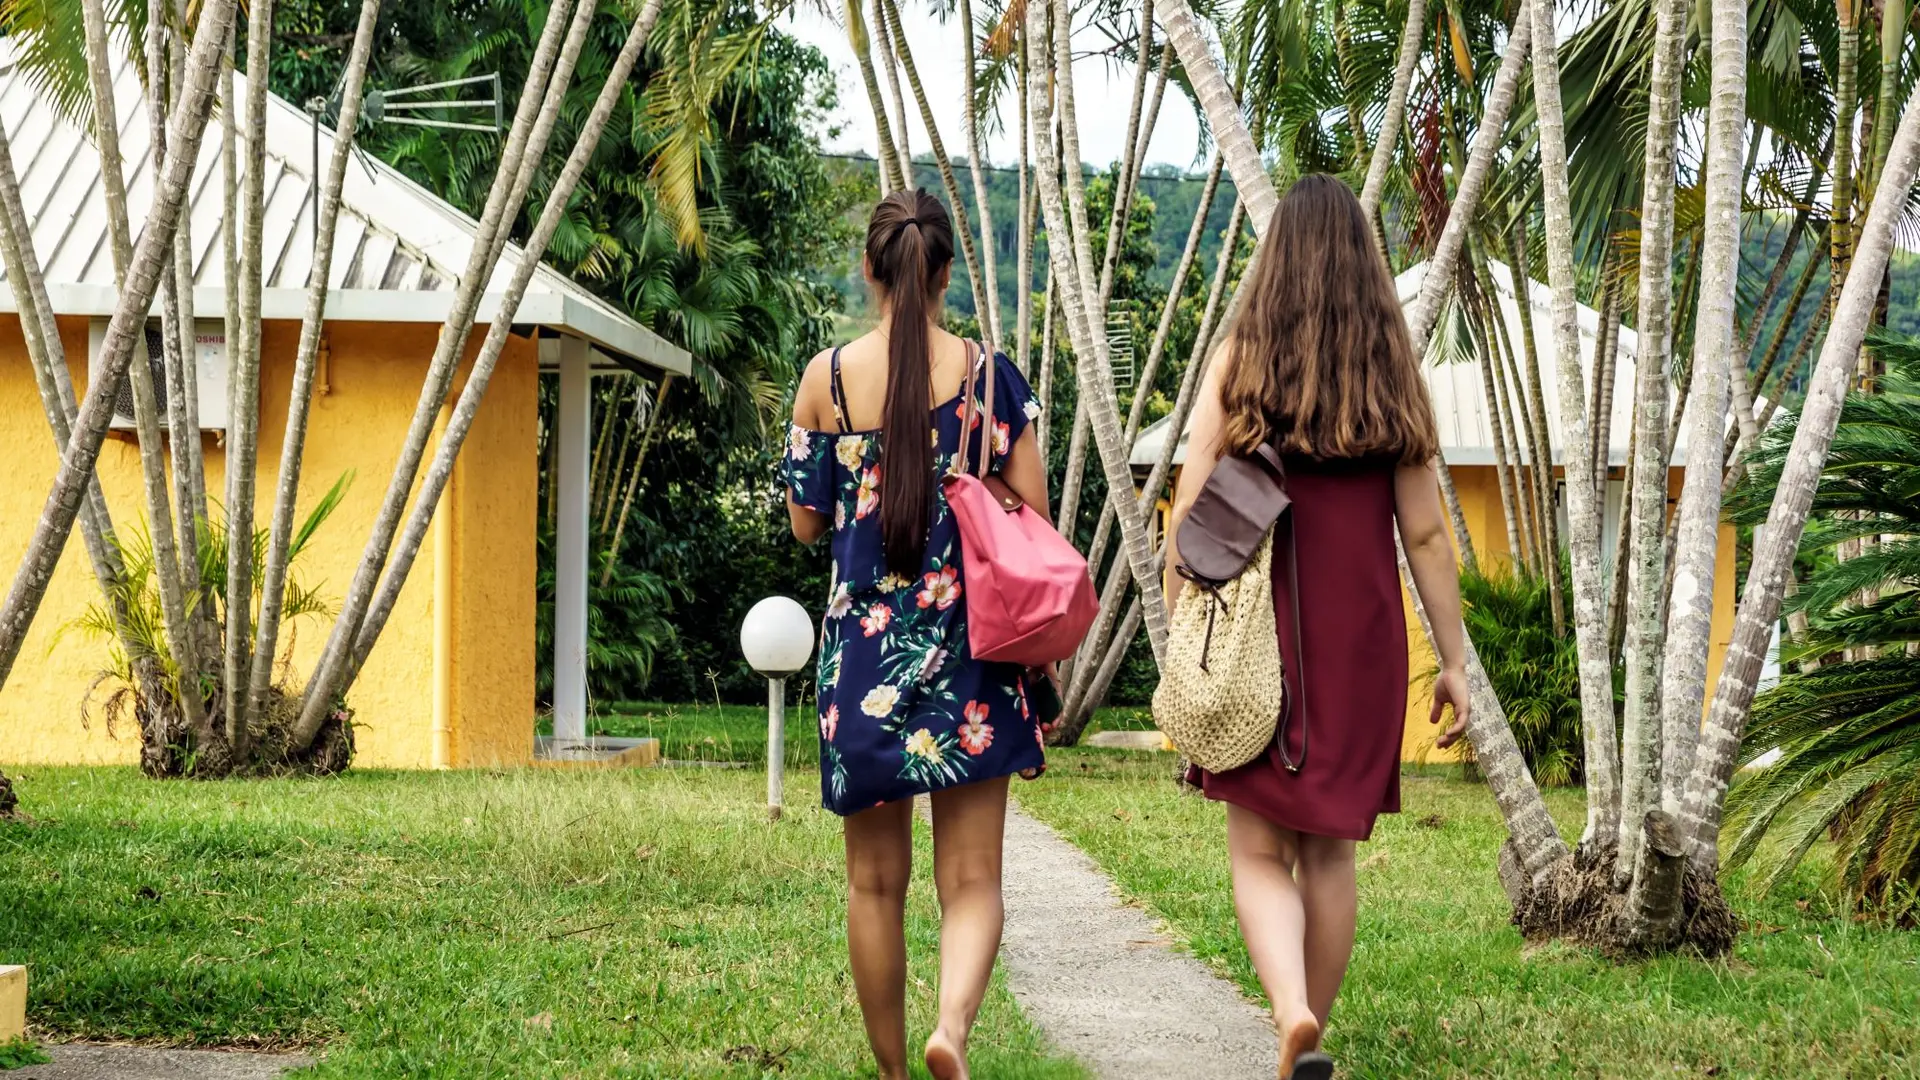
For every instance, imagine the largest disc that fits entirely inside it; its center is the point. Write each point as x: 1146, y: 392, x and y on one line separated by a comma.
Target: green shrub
x: 1534, y: 671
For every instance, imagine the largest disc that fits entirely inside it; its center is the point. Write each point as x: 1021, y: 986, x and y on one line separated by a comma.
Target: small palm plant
x: 1536, y: 673
x: 140, y: 683
x: 1848, y: 733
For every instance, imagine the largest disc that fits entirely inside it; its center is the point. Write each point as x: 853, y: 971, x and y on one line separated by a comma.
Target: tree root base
x: 170, y: 751
x: 1579, y: 903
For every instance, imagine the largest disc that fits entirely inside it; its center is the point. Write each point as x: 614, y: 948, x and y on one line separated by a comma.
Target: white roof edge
x: 559, y: 311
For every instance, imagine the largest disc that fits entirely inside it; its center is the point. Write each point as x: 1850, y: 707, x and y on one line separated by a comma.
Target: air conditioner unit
x: 210, y: 368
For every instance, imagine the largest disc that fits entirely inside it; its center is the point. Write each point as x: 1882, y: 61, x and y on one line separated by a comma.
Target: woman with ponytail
x: 904, y: 709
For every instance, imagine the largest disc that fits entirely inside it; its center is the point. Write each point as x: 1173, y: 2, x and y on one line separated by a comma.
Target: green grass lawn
x: 527, y: 923
x: 1441, y: 985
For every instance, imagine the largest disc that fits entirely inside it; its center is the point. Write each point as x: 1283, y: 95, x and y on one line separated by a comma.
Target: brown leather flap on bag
x: 1240, y: 502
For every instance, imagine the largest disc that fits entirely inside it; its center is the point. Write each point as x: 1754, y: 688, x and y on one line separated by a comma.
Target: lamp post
x: 777, y: 639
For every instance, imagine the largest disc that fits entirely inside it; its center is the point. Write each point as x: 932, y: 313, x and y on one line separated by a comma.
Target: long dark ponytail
x: 909, y: 245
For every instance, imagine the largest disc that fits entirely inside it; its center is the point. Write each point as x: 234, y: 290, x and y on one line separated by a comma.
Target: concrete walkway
x: 1105, y: 985
x: 82, y: 1061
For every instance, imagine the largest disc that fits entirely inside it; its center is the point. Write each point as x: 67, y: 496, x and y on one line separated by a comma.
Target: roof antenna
x: 381, y: 107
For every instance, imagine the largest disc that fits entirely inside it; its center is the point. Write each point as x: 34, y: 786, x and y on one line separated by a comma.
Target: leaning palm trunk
x: 1606, y: 366
x: 987, y: 294
x: 123, y: 330
x: 983, y: 284
x: 890, y: 70
x: 190, y: 472
x: 654, y: 417
x: 1023, y: 258
x: 892, y: 170
x: 1095, y: 374
x: 1076, y: 451
x: 1125, y: 179
x: 1487, y: 140
x: 1583, y: 524
x: 1457, y: 516
x: 1793, y: 495
x: 1050, y: 312
x: 243, y: 418
x: 1539, y: 434
x: 1382, y: 160
x: 1690, y: 600
x: 434, y: 484
x: 1222, y: 108
x: 489, y: 240
x: 312, y: 325
x: 1502, y: 464
x: 1077, y: 712
x: 1151, y: 370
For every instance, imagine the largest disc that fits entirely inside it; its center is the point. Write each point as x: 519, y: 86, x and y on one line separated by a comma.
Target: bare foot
x: 946, y: 1058
x: 1298, y: 1036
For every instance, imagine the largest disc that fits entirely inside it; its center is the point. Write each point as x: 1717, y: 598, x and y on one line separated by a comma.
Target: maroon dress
x: 1347, y: 694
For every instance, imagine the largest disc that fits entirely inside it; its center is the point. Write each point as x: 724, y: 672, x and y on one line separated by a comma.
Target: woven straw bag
x: 1221, y: 690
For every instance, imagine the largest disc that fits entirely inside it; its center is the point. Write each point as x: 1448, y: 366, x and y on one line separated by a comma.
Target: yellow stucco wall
x: 1478, y: 487
x: 371, y: 380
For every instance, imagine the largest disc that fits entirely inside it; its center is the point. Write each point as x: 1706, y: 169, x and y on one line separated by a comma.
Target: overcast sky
x: 1102, y: 88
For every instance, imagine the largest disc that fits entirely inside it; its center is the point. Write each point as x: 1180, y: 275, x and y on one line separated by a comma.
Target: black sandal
x: 1313, y: 1066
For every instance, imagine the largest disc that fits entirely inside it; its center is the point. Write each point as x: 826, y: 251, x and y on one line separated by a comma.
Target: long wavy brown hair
x: 1321, y: 363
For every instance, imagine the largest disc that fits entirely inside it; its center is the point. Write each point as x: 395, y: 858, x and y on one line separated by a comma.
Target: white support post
x: 776, y: 745
x: 574, y: 429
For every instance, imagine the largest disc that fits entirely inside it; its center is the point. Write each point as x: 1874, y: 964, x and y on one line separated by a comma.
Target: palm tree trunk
x: 1690, y: 600
x: 1487, y: 140
x: 1846, y: 104
x: 274, y: 564
x: 1123, y: 180
x: 434, y: 483
x: 1048, y: 346
x: 1500, y: 355
x: 1617, y: 594
x: 1023, y: 258
x: 188, y: 456
x: 136, y: 297
x: 1642, y: 730
x: 983, y: 283
x: 987, y: 291
x: 243, y: 436
x: 1605, y: 366
x: 1793, y: 495
x: 1076, y: 449
x: 1095, y: 376
x: 243, y: 411
x: 1137, y: 411
x: 1456, y: 514
x: 1534, y: 838
x: 1792, y: 308
x: 892, y: 174
x: 1410, y: 38
x: 49, y: 361
x: 1502, y: 463
x: 1799, y: 358
x: 1546, y: 486
x: 1526, y: 458
x: 654, y: 416
x: 1072, y: 171
x: 1583, y: 513
x: 488, y: 240
x: 1222, y: 109
x: 1893, y: 41
x: 890, y: 69
x: 1183, y: 404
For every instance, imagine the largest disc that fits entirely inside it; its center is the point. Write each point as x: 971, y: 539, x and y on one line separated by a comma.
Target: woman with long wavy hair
x: 904, y: 710
x: 1320, y: 366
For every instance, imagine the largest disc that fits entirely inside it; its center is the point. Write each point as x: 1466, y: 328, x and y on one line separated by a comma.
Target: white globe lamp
x: 777, y: 640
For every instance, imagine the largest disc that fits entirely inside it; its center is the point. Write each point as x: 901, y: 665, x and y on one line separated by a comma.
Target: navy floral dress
x: 904, y: 709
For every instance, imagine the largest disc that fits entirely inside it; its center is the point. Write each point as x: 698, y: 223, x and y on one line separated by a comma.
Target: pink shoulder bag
x: 1030, y: 599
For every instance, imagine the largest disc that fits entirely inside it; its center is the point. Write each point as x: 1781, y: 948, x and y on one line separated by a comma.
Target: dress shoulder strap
x: 839, y: 392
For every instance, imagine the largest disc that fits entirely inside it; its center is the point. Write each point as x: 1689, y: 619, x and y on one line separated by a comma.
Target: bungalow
x: 1466, y: 437
x: 452, y: 680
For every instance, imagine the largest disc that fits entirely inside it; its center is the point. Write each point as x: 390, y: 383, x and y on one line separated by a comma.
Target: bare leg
x: 879, y: 864
x: 1273, y: 922
x: 969, y: 824
x: 1329, y: 897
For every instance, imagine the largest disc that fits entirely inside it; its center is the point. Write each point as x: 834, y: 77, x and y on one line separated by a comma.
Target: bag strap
x: 970, y: 412
x: 1300, y: 651
x: 839, y: 392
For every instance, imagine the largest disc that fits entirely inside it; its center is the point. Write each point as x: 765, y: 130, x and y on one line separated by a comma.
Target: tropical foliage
x: 1847, y: 733
x: 1535, y: 671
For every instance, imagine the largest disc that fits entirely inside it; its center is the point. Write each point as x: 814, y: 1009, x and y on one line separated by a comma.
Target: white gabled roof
x: 398, y: 248
x: 1459, y: 396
